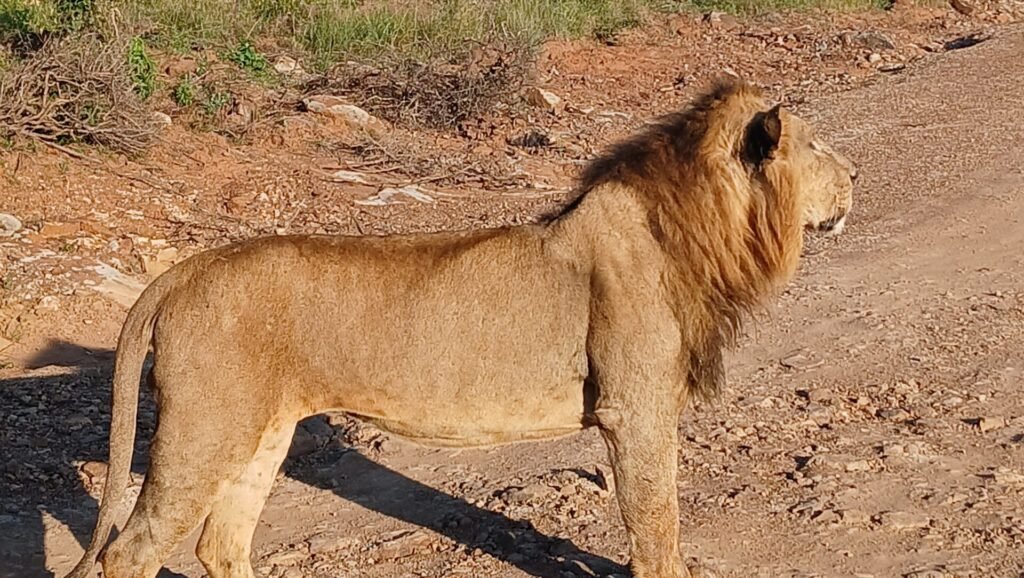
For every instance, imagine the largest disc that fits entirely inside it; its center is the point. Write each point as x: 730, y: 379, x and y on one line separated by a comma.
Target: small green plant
x: 215, y: 102
x: 248, y: 59
x: 184, y: 94
x: 141, y: 68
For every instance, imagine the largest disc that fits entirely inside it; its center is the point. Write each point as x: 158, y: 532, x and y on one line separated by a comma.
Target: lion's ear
x: 763, y: 135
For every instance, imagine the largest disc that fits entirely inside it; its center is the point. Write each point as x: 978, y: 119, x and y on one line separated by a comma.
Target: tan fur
x: 609, y: 314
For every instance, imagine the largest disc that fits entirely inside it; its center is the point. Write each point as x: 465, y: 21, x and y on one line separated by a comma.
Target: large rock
x: 869, y: 39
x: 9, y: 225
x: 721, y: 20
x: 544, y: 99
x: 344, y: 111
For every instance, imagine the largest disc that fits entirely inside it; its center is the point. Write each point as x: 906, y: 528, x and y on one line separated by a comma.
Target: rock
x: 288, y: 66
x: 243, y: 112
x: 721, y: 20
x: 870, y: 39
x: 285, y: 558
x: 892, y: 67
x: 544, y: 99
x: 826, y: 517
x: 581, y: 568
x: 117, y: 286
x: 532, y: 493
x: 800, y: 361
x: 350, y: 114
x: 893, y: 414
x: 162, y: 119
x: 93, y: 475
x: 51, y: 230
x: 329, y: 542
x: 9, y: 225
x: 162, y: 261
x: 402, y: 544
x: 1005, y: 477
x: 927, y: 573
x: 48, y: 303
x: 962, y: 7
x: 858, y: 466
x: 901, y: 521
x: 95, y: 470
x: 854, y: 517
x: 806, y: 507
x: 987, y: 424
x: 391, y: 196
x: 874, y: 58
x: 348, y: 177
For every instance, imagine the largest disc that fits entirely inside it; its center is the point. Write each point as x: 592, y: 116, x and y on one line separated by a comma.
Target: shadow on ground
x: 57, y: 417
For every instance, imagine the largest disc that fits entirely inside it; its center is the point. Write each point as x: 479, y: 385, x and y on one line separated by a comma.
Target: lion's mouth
x: 833, y: 226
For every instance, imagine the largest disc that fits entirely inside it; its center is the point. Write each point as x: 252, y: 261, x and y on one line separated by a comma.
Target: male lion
x: 610, y: 314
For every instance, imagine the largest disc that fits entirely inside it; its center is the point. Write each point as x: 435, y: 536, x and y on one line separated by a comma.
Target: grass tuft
x: 141, y: 69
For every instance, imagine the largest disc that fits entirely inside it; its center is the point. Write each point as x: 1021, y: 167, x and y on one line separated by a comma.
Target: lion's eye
x: 815, y: 146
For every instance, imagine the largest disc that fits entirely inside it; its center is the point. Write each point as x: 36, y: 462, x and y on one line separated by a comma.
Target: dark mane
x: 670, y: 141
x: 728, y: 228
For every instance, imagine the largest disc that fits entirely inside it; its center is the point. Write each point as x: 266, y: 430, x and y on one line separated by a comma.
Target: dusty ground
x: 872, y: 427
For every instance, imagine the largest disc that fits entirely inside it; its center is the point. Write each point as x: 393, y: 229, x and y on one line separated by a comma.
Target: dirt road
x: 873, y: 426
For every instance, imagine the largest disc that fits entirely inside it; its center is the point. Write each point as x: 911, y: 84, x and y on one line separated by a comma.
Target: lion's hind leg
x: 225, y: 545
x: 191, y: 459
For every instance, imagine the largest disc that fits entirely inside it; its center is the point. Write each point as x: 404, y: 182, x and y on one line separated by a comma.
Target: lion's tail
x: 132, y: 348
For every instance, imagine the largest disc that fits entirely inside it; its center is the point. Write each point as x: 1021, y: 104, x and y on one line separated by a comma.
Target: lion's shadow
x: 51, y: 420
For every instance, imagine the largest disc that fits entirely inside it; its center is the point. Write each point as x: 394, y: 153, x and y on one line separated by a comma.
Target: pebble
x: 162, y: 119
x: 901, y: 521
x: 9, y: 225
x: 987, y: 424
x: 722, y: 20
x: 854, y: 517
x: 1005, y: 477
x: 288, y: 65
x: 329, y: 542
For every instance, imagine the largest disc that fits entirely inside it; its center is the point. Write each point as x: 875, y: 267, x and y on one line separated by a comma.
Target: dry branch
x: 75, y: 89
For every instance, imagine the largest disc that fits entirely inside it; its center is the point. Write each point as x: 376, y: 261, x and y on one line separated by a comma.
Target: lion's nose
x: 854, y: 173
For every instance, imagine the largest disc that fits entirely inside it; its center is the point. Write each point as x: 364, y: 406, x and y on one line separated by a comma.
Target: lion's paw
x: 698, y: 570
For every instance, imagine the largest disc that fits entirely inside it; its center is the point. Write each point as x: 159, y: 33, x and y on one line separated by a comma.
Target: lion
x: 611, y: 313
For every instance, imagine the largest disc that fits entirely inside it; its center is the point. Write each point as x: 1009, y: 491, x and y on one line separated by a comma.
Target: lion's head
x: 821, y: 177
x: 730, y: 185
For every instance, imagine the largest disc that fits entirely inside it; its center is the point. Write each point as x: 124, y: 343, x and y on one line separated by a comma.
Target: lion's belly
x: 463, y: 401
x: 552, y: 413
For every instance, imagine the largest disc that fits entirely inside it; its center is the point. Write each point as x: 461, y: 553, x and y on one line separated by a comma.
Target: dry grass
x: 75, y: 90
x: 438, y: 94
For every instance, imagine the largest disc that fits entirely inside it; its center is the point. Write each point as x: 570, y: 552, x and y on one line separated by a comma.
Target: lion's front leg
x: 644, y: 460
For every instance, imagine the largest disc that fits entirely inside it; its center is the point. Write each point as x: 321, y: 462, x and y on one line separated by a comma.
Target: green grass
x: 329, y: 31
x: 141, y: 69
x: 246, y: 57
x: 184, y: 93
x: 753, y: 7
